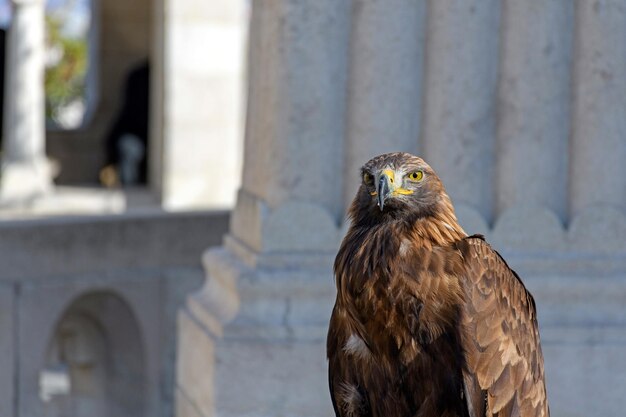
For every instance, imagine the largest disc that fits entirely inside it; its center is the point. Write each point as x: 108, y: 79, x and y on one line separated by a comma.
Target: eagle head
x: 398, y: 185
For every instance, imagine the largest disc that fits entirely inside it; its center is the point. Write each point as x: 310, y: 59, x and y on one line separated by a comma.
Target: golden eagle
x: 427, y: 321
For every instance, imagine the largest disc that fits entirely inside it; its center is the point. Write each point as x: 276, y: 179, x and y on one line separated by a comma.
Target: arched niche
x: 95, y: 361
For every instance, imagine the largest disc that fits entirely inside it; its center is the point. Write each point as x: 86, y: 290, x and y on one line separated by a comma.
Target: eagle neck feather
x: 440, y: 229
x: 369, y: 246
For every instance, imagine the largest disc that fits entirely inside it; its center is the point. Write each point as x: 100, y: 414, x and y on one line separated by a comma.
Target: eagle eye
x: 368, y: 178
x: 416, y: 176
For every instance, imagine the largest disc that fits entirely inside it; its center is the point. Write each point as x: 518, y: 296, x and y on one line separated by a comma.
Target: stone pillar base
x: 199, y: 328
x: 195, y: 368
x: 22, y: 182
x: 271, y: 359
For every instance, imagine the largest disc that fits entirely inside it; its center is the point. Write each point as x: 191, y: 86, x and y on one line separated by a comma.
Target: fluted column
x: 295, y: 122
x: 385, y: 82
x: 25, y: 170
x: 272, y: 280
x: 533, y: 105
x: 460, y: 83
x: 296, y: 111
x: 598, y: 168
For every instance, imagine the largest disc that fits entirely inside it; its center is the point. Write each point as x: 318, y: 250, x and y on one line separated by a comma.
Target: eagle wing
x: 505, y: 375
x: 344, y: 379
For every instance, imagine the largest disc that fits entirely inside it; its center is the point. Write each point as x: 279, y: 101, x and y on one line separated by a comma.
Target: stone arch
x: 95, y: 360
x: 121, y: 38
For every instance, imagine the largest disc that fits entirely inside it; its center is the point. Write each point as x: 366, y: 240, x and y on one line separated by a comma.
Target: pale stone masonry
x: 95, y: 300
x: 196, y: 100
x: 25, y: 171
x: 273, y: 276
x: 598, y: 108
x: 458, y: 134
x: 520, y: 108
x: 198, y: 140
x: 533, y: 100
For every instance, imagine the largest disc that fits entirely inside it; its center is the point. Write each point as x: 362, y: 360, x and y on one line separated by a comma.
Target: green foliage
x: 65, y: 79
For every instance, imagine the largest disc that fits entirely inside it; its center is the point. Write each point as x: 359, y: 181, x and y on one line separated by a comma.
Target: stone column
x: 203, y: 101
x: 460, y: 84
x: 274, y: 272
x: 25, y: 171
x: 385, y: 82
x: 597, y: 169
x: 295, y: 125
x: 533, y: 105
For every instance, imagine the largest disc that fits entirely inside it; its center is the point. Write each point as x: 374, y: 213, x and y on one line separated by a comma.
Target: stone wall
x: 519, y: 106
x: 95, y: 299
x: 199, y: 93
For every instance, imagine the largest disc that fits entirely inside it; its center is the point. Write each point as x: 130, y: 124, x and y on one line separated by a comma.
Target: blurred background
x: 175, y: 174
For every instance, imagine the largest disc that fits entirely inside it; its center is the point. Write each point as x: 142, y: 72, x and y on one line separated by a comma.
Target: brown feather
x: 428, y: 322
x: 513, y: 373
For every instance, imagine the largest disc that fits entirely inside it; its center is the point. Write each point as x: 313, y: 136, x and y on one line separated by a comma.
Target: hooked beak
x: 384, y: 187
